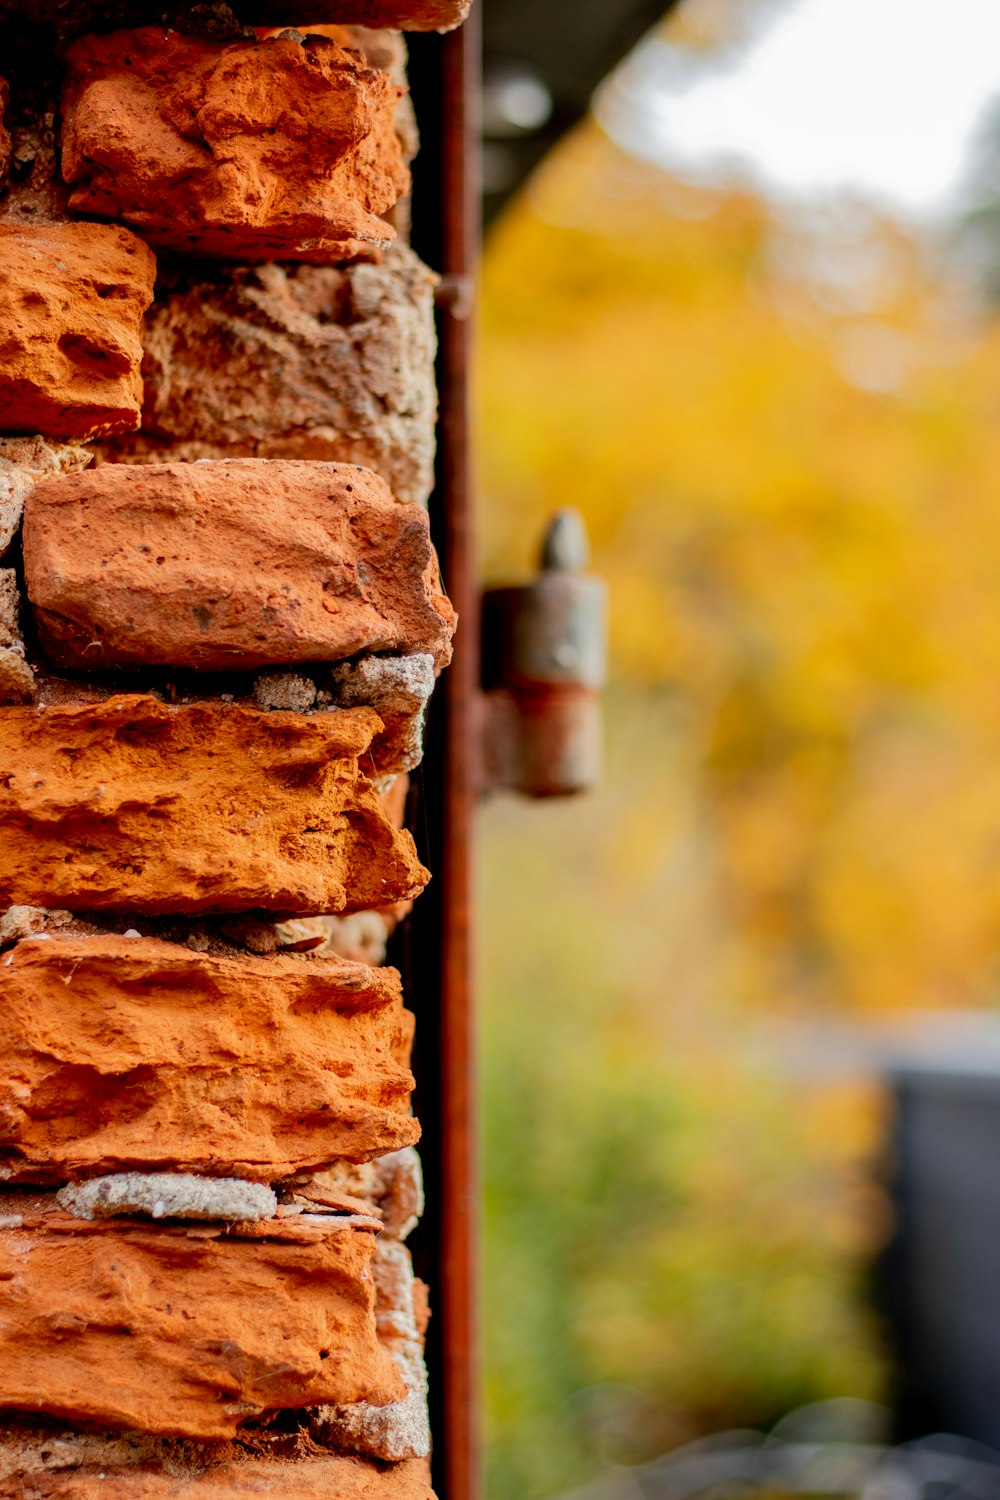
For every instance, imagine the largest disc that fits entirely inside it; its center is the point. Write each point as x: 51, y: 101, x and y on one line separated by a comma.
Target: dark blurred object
x: 942, y: 1273
x: 543, y: 650
x: 542, y: 61
x: 831, y: 1451
x: 975, y: 235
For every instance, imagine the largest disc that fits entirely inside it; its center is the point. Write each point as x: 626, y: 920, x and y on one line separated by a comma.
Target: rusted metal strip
x: 438, y: 947
x: 459, y: 1177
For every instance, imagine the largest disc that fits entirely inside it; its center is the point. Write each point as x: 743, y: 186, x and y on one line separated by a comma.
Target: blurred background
x: 741, y: 306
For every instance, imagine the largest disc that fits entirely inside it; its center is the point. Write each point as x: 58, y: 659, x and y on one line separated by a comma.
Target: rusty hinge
x: 543, y: 663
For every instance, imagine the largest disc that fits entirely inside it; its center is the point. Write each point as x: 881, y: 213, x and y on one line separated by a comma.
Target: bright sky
x: 877, y: 96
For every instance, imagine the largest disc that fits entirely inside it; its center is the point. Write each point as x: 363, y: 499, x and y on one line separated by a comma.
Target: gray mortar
x: 399, y: 1190
x: 400, y: 1430
x: 397, y: 687
x: 24, y: 462
x: 169, y: 1195
x: 19, y: 922
x: 362, y: 932
x: 17, y: 681
x: 284, y: 690
x: 397, y: 684
x: 389, y: 1433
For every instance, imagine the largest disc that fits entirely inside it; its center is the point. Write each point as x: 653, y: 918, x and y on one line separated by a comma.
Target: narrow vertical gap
x: 435, y: 951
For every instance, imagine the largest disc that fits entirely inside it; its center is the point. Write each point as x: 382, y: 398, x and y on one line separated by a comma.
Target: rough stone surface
x: 33, y: 192
x: 161, y: 1057
x: 399, y: 1191
x: 391, y: 1187
x: 400, y: 1430
x: 283, y: 149
x: 241, y: 563
x: 36, y: 1450
x: 385, y: 50
x: 10, y: 610
x: 311, y: 1478
x: 72, y: 298
x: 23, y: 462
x: 186, y: 1330
x: 398, y: 688
x: 361, y: 937
x: 332, y: 363
x: 220, y: 937
x: 169, y: 1195
x: 26, y: 921
x: 134, y: 805
x: 17, y: 681
x: 289, y: 691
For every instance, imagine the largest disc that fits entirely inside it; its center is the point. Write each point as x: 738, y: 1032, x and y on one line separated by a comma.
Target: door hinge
x: 543, y: 667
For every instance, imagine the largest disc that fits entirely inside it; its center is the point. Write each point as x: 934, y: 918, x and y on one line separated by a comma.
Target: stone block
x: 130, y: 804
x: 72, y: 297
x: 400, y: 1430
x: 17, y: 681
x: 186, y: 1330
x: 398, y: 688
x: 281, y: 149
x: 391, y: 1188
x: 315, y: 1477
x: 320, y: 362
x: 23, y: 462
x: 399, y: 1191
x: 241, y: 564
x: 160, y: 1057
x: 363, y: 936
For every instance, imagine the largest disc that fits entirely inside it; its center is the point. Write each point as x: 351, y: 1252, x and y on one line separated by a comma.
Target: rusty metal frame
x: 435, y: 948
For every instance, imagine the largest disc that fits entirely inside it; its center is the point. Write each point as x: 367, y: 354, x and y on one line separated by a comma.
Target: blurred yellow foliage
x: 809, y: 565
x: 783, y: 435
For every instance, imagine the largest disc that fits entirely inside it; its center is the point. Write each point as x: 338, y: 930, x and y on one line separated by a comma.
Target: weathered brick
x: 283, y: 149
x: 184, y: 1329
x: 130, y: 804
x: 72, y: 298
x: 17, y: 681
x: 312, y: 1478
x: 166, y: 1059
x: 240, y: 564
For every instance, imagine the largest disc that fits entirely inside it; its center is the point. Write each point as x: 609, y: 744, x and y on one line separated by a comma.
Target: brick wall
x: 221, y: 619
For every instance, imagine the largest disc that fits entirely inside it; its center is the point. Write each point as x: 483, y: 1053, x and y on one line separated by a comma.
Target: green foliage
x: 670, y: 1246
